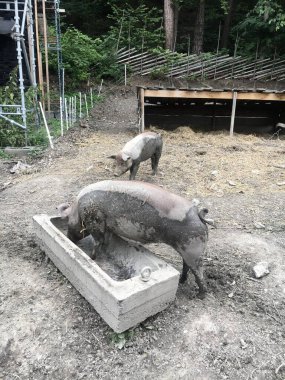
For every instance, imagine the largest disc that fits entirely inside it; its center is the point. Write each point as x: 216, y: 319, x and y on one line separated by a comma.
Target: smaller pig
x: 144, y: 146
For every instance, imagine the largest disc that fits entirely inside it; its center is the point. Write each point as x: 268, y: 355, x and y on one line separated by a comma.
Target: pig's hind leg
x: 195, y: 264
x: 184, y: 273
x: 154, y: 163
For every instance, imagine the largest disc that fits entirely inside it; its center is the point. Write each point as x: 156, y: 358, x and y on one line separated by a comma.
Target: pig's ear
x: 125, y: 157
x: 64, y: 210
x: 113, y: 156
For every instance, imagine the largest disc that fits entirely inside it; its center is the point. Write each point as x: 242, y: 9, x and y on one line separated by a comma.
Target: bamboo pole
x: 91, y: 97
x: 80, y: 106
x: 255, y: 63
x: 69, y: 113
x: 63, y: 87
x: 72, y: 110
x: 218, y: 47
x: 100, y: 88
x: 234, y: 58
x: 188, y: 54
x: 120, y: 31
x: 45, y: 122
x: 66, y: 113
x: 61, y: 115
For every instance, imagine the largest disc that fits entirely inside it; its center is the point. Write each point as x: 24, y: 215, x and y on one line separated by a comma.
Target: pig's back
x: 167, y: 204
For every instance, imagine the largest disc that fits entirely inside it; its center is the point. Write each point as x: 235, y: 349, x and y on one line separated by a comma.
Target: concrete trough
x: 125, y: 286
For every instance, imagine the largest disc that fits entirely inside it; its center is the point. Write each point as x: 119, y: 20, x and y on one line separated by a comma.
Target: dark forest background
x: 253, y: 25
x: 94, y: 30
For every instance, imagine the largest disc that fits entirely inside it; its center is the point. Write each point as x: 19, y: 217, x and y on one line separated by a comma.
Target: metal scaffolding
x: 17, y: 33
x: 20, y: 27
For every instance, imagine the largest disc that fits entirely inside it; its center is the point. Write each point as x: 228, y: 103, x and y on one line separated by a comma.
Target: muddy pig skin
x: 141, y: 212
x: 144, y: 146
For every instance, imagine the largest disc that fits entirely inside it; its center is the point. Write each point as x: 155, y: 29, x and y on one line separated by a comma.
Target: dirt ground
x: 49, y: 331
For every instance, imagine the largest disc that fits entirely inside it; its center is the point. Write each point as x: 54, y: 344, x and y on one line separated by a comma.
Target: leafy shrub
x: 79, y: 53
x: 85, y: 58
x: 159, y: 73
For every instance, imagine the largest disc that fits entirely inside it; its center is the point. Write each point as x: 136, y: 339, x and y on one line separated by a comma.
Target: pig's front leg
x: 133, y: 170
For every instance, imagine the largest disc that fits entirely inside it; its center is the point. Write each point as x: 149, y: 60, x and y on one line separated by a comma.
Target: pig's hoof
x: 182, y: 279
x: 202, y: 294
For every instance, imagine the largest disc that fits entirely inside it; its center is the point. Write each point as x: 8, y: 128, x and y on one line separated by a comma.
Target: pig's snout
x: 119, y: 171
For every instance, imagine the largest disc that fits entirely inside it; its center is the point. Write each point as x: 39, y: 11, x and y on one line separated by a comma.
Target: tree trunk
x: 169, y: 24
x: 227, y: 24
x: 199, y: 29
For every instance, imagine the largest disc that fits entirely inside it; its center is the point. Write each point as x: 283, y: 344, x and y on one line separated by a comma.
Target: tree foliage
x: 263, y: 28
x: 136, y: 27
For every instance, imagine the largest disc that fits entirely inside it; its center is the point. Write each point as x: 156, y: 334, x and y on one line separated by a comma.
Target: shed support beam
x: 233, y: 113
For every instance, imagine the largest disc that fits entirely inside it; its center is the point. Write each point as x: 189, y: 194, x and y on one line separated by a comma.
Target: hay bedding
x: 215, y: 164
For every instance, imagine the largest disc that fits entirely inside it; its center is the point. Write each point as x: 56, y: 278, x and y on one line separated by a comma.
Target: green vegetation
x: 13, y: 135
x: 119, y: 340
x: 263, y: 29
x: 3, y: 155
x: 84, y: 58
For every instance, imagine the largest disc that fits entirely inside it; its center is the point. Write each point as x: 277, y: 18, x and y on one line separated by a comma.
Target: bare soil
x: 49, y: 331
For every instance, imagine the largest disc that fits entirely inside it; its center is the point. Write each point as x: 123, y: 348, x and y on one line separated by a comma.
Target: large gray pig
x: 144, y: 146
x: 141, y: 212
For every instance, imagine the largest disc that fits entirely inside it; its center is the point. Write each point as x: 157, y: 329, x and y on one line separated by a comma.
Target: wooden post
x: 40, y: 67
x: 31, y: 49
x: 142, y: 109
x: 233, y: 113
x: 46, y: 53
x: 100, y: 88
x: 86, y: 105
